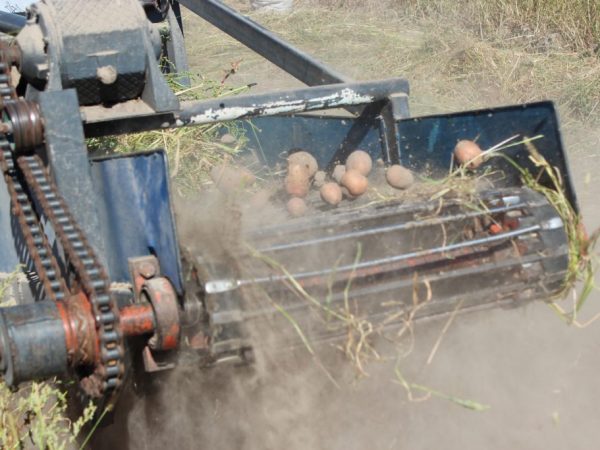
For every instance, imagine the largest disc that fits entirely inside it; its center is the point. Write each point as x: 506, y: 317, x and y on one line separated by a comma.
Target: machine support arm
x: 248, y: 106
x: 294, y: 61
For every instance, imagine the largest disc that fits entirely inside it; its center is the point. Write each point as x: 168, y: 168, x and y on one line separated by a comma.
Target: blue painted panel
x: 272, y: 137
x: 135, y: 212
x: 426, y: 143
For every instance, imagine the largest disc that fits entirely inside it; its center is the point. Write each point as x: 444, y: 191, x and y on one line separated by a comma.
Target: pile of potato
x: 348, y: 180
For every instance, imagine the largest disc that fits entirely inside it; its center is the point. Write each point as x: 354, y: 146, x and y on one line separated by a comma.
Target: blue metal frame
x: 134, y: 204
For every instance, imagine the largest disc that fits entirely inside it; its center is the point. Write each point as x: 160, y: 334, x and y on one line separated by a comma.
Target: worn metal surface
x: 80, y: 330
x: 175, y: 54
x: 137, y: 320
x: 132, y: 195
x: 11, y: 23
x: 32, y: 341
x: 67, y: 158
x: 291, y: 102
x: 428, y: 142
x: 155, y: 313
x: 99, y: 123
x: 25, y: 125
x: 160, y: 294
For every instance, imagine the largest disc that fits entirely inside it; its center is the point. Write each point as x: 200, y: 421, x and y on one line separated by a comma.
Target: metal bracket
x: 150, y: 287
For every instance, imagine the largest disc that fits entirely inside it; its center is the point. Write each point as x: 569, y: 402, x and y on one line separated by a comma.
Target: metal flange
x: 160, y: 294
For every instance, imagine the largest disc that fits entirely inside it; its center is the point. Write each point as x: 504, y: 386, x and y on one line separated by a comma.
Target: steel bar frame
x: 247, y: 106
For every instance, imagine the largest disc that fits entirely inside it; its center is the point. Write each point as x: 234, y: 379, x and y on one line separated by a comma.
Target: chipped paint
x: 345, y: 97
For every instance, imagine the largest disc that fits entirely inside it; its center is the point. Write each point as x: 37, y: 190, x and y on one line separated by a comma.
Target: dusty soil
x: 538, y: 375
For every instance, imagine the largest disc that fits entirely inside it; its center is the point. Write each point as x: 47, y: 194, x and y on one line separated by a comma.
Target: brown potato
x: 297, y: 181
x: 331, y: 193
x: 229, y: 179
x: 338, y: 173
x: 360, y: 161
x: 399, y: 177
x: 305, y: 159
x: 468, y: 153
x: 355, y: 182
x: 296, y: 206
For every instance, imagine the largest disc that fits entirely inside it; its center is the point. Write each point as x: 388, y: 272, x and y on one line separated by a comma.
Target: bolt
x: 147, y: 270
x: 107, y: 74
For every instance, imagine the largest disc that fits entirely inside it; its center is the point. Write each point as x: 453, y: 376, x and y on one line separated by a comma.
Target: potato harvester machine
x: 103, y: 280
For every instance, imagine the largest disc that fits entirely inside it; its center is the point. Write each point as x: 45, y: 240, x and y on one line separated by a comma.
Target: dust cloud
x: 286, y: 399
x: 536, y: 374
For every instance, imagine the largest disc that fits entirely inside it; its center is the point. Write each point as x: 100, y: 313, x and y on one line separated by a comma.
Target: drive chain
x: 39, y: 189
x: 88, y: 272
x: 40, y: 252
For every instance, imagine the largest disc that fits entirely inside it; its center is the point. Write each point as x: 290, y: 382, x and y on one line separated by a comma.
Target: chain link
x: 29, y: 183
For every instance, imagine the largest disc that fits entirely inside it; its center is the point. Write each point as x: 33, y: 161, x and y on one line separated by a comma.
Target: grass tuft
x: 191, y: 151
x: 36, y: 415
x: 565, y: 24
x: 582, y: 265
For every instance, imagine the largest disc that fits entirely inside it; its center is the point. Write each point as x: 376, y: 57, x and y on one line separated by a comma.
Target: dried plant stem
x: 444, y: 331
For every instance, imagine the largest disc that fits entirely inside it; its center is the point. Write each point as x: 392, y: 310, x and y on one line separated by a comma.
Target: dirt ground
x: 538, y: 375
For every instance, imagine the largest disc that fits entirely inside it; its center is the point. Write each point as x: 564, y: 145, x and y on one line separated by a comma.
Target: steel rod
x: 389, y: 228
x: 215, y: 286
x: 294, y: 61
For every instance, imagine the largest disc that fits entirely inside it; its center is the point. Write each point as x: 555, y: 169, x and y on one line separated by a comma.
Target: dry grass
x: 191, y: 151
x: 543, y: 24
